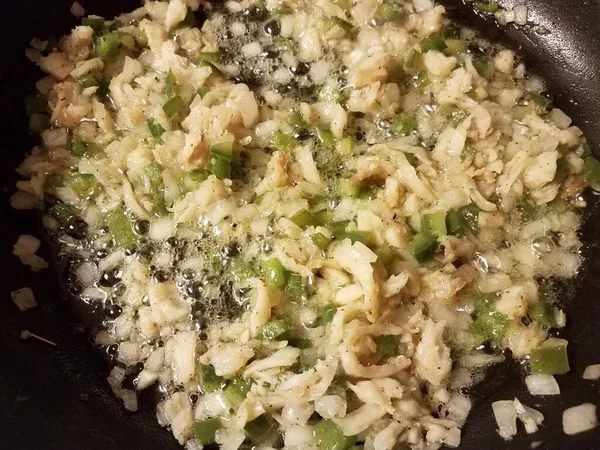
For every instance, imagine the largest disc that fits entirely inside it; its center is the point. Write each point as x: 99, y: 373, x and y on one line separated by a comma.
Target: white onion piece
x: 94, y: 293
x: 422, y: 5
x: 77, y: 10
x: 520, y: 14
x: 579, y: 418
x: 457, y: 409
x: 24, y: 299
x: 592, y: 372
x: 542, y: 385
x: 251, y: 49
x: 111, y: 261
x: 506, y: 418
x: 560, y: 119
x: 298, y: 435
x: 330, y: 406
x: 86, y: 273
x: 530, y: 417
x: 452, y: 439
x: 297, y: 413
x: 162, y: 229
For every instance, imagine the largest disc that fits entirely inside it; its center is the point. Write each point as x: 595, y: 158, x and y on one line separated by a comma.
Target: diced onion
x: 506, y: 418
x: 592, y: 372
x: 94, y: 293
x: 579, y: 419
x: 24, y: 299
x: 520, y: 14
x: 457, y: 409
x: 77, y: 10
x: 422, y: 5
x: 542, y: 385
x: 251, y: 49
x: 560, y: 119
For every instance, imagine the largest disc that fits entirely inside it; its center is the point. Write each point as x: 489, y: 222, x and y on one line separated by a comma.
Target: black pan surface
x: 57, y: 397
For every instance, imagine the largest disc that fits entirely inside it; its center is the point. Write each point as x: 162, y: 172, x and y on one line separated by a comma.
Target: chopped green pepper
x: 304, y: 218
x: 89, y: 81
x: 171, y: 87
x: 321, y: 241
x: 543, y: 314
x: 333, y: 22
x: 454, y: 223
x: 208, y: 380
x: 241, y: 271
x: 550, y: 358
x: 423, y: 247
x: 96, y: 23
x: 455, y: 46
x: 283, y: 11
x: 127, y: 41
x: 338, y: 228
x: 107, y: 45
x: 434, y: 224
x: 356, y: 236
x: 222, y: 150
x: 208, y: 57
x: 64, y: 214
x: 236, y: 391
x: 296, y: 288
x: 153, y: 173
x: 345, y: 146
x: 274, y: 272
x: 348, y: 188
x: 193, y: 178
x: 173, y: 106
x: 388, y: 11
x: 220, y: 167
x: 258, y: 430
x: 413, y: 59
x: 434, y: 42
x: 155, y: 128
x: 330, y: 437
x: 301, y: 343
x: 296, y: 120
x: 79, y: 147
x: 121, y: 228
x: 488, y: 8
x: 591, y: 170
x: 206, y: 430
x: 488, y: 324
x: 283, y: 142
x: 84, y: 185
x: 325, y: 136
x: 323, y: 216
x: 403, y: 124
x: 273, y: 330
x: 326, y: 314
x: 483, y: 67
x: 387, y: 345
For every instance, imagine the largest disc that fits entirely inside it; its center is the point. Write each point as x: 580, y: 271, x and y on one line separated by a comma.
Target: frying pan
x: 58, y: 398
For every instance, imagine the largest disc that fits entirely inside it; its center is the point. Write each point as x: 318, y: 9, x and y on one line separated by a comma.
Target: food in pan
x: 310, y: 224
